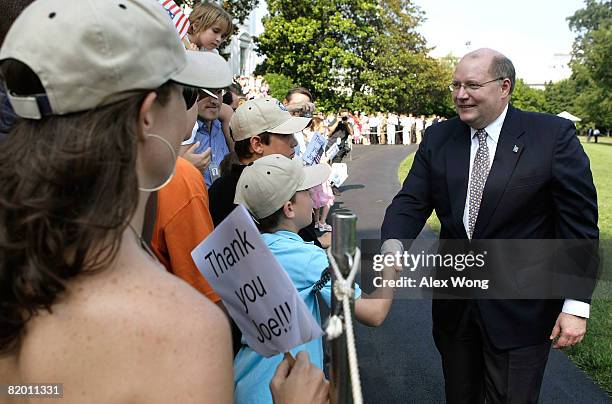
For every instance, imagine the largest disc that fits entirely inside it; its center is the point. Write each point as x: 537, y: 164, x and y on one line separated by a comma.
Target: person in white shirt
x: 373, y: 123
x: 365, y: 128
x: 405, y: 122
x: 391, y: 124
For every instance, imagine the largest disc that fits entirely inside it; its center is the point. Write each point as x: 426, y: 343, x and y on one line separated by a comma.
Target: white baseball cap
x: 215, y: 71
x: 270, y: 181
x: 265, y: 114
x: 90, y: 53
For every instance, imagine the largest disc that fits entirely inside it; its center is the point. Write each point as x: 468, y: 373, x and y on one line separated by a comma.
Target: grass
x: 594, y: 353
x: 402, y: 172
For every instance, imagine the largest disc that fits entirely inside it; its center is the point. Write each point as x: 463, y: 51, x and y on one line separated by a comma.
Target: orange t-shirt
x: 182, y: 222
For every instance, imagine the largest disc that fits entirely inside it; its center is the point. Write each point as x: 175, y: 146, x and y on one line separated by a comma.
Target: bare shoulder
x: 141, y: 335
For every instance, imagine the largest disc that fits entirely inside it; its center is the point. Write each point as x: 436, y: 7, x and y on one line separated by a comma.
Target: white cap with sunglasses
x: 218, y: 77
x: 109, y: 49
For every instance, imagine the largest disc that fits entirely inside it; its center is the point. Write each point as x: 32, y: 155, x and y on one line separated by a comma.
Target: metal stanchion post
x: 344, y: 242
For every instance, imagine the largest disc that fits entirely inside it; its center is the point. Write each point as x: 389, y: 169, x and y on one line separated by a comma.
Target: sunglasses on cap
x: 190, y: 94
x: 216, y: 93
x: 193, y: 94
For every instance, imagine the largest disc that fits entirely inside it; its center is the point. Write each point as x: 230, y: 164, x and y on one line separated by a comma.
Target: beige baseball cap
x: 215, y: 72
x: 264, y: 114
x: 270, y: 181
x: 90, y: 53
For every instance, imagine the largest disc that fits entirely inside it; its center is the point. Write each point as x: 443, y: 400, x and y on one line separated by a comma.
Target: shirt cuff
x: 577, y: 308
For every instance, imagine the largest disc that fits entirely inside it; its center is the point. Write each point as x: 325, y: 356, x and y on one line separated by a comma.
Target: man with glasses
x: 495, y: 172
x: 210, y: 130
x: 204, y: 142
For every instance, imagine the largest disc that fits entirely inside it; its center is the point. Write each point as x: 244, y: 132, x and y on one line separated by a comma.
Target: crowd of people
x: 253, y: 86
x: 388, y: 128
x: 122, y: 170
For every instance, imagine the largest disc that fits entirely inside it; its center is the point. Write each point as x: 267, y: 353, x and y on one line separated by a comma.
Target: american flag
x: 180, y: 20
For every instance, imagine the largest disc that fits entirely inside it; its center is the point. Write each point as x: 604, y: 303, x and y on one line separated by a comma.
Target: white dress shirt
x: 493, y: 130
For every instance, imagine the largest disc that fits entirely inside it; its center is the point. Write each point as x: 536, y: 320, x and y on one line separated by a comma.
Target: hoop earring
x: 173, y: 165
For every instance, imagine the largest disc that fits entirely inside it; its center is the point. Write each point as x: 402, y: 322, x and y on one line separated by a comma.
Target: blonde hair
x: 204, y: 15
x: 316, y: 125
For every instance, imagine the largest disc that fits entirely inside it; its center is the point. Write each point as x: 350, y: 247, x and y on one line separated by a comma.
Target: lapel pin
x: 515, y: 149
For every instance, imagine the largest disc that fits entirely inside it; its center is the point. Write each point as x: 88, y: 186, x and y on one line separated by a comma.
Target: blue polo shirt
x: 213, y: 139
x: 304, y: 262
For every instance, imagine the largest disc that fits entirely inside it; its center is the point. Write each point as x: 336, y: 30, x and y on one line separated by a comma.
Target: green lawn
x: 402, y: 172
x: 594, y: 354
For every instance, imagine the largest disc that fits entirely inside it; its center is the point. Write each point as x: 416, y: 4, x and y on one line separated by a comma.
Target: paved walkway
x: 398, y: 361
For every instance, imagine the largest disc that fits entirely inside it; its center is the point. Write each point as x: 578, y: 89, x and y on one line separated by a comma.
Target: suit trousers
x: 373, y: 135
x: 474, y: 370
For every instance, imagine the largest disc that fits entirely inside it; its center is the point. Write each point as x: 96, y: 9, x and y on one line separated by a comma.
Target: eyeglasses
x: 216, y: 93
x: 190, y: 94
x: 471, y: 86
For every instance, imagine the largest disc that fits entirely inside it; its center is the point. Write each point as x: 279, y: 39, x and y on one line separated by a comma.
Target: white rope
x: 343, y: 292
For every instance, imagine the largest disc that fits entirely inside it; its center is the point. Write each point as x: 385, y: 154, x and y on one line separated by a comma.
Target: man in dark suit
x: 495, y: 172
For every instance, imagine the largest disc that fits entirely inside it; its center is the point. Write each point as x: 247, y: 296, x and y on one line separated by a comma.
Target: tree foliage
x: 595, y: 16
x: 561, y: 96
x: 527, y: 98
x: 586, y: 93
x: 321, y: 45
x: 360, y: 54
x: 402, y: 77
x: 592, y: 61
x: 279, y: 85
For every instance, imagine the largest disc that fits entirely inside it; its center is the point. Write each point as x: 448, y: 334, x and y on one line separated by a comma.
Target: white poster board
x: 255, y: 289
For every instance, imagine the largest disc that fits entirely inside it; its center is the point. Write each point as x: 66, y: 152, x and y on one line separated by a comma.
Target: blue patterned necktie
x: 480, y: 171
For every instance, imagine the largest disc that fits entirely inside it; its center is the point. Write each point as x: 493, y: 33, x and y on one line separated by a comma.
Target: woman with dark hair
x: 83, y: 302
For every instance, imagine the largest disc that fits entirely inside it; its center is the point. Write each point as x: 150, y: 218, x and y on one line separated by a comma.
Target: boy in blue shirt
x: 275, y: 191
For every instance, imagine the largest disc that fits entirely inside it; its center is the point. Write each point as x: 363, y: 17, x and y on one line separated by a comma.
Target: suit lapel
x: 457, y: 171
x: 507, y: 154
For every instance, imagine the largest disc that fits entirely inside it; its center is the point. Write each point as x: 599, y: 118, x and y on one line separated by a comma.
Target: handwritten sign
x: 255, y: 289
x: 313, y: 150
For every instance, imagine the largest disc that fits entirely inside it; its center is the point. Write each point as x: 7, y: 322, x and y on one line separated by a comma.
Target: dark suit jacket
x: 543, y: 191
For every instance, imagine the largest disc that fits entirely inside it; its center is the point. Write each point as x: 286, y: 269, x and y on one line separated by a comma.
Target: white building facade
x: 243, y: 58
